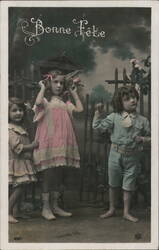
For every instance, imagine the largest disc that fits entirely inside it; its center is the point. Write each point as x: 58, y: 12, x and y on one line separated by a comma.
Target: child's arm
x: 100, y: 121
x: 17, y: 147
x: 40, y: 96
x: 40, y: 104
x: 30, y: 146
x: 78, y: 104
x: 146, y: 137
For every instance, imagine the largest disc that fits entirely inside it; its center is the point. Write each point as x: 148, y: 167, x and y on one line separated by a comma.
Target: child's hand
x: 139, y: 139
x: 42, y: 85
x: 99, y: 107
x: 35, y: 144
x: 72, y: 87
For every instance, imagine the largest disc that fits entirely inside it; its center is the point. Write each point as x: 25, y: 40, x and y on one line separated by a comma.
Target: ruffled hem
x: 20, y: 168
x: 14, y: 180
x: 58, y: 162
x: 42, y: 168
x: 69, y: 153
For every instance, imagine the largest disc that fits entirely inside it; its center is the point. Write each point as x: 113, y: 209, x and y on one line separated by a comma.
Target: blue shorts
x: 123, y: 169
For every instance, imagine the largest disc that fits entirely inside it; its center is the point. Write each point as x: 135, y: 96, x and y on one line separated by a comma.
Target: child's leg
x: 57, y: 210
x: 17, y: 213
x: 46, y: 210
x: 16, y: 207
x: 58, y: 181
x: 13, y: 199
x: 112, y: 203
x: 130, y: 171
x: 46, y: 180
x: 115, y: 177
x: 127, y: 200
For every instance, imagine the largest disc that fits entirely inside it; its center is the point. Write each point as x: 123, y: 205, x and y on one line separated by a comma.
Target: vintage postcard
x: 79, y: 124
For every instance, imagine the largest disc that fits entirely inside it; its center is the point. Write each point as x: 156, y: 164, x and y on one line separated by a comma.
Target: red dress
x: 55, y: 134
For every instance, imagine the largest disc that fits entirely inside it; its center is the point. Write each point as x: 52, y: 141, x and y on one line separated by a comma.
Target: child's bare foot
x: 12, y: 219
x: 130, y: 218
x: 108, y: 214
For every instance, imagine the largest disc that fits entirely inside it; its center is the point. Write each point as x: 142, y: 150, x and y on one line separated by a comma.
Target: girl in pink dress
x: 58, y: 149
x: 21, y: 169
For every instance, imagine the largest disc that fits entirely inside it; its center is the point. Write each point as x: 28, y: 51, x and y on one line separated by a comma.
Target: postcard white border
x: 154, y: 5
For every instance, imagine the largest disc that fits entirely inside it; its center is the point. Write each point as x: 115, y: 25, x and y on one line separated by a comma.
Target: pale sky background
x: 105, y: 68
x: 128, y: 35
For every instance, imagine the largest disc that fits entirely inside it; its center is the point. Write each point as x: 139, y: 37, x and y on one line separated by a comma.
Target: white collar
x: 125, y: 114
x: 17, y: 129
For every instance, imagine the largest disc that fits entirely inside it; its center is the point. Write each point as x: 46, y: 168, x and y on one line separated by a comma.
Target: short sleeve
x: 14, y: 142
x: 39, y: 110
x: 70, y: 107
x: 147, y: 130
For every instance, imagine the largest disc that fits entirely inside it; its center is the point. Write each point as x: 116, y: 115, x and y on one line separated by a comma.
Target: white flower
x: 134, y: 60
x: 137, y: 66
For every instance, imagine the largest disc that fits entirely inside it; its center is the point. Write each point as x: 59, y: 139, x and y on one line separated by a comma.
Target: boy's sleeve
x: 105, y: 123
x: 147, y: 131
x: 14, y: 142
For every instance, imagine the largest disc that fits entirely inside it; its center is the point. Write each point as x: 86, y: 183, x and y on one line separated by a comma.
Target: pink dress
x: 21, y: 169
x: 55, y: 134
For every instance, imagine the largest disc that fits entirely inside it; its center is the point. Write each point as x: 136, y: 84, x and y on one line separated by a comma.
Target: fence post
x: 124, y: 76
x: 106, y: 147
x: 116, y: 79
x: 84, y: 146
x: 15, y: 84
x: 91, y: 133
x: 23, y: 86
x: 90, y: 165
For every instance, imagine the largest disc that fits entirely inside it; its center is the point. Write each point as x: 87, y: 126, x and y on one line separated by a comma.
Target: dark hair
x: 128, y: 91
x: 19, y: 103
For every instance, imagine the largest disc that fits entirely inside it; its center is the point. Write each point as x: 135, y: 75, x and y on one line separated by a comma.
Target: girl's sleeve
x: 103, y: 124
x: 39, y: 110
x: 14, y: 142
x: 70, y: 106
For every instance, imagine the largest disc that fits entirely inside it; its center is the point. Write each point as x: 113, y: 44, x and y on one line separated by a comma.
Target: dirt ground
x: 84, y: 226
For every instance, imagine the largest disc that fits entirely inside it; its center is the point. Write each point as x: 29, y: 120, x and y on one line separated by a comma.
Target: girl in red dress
x: 58, y: 149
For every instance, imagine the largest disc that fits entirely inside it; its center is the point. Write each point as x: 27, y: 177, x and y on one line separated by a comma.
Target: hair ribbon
x: 49, y: 76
